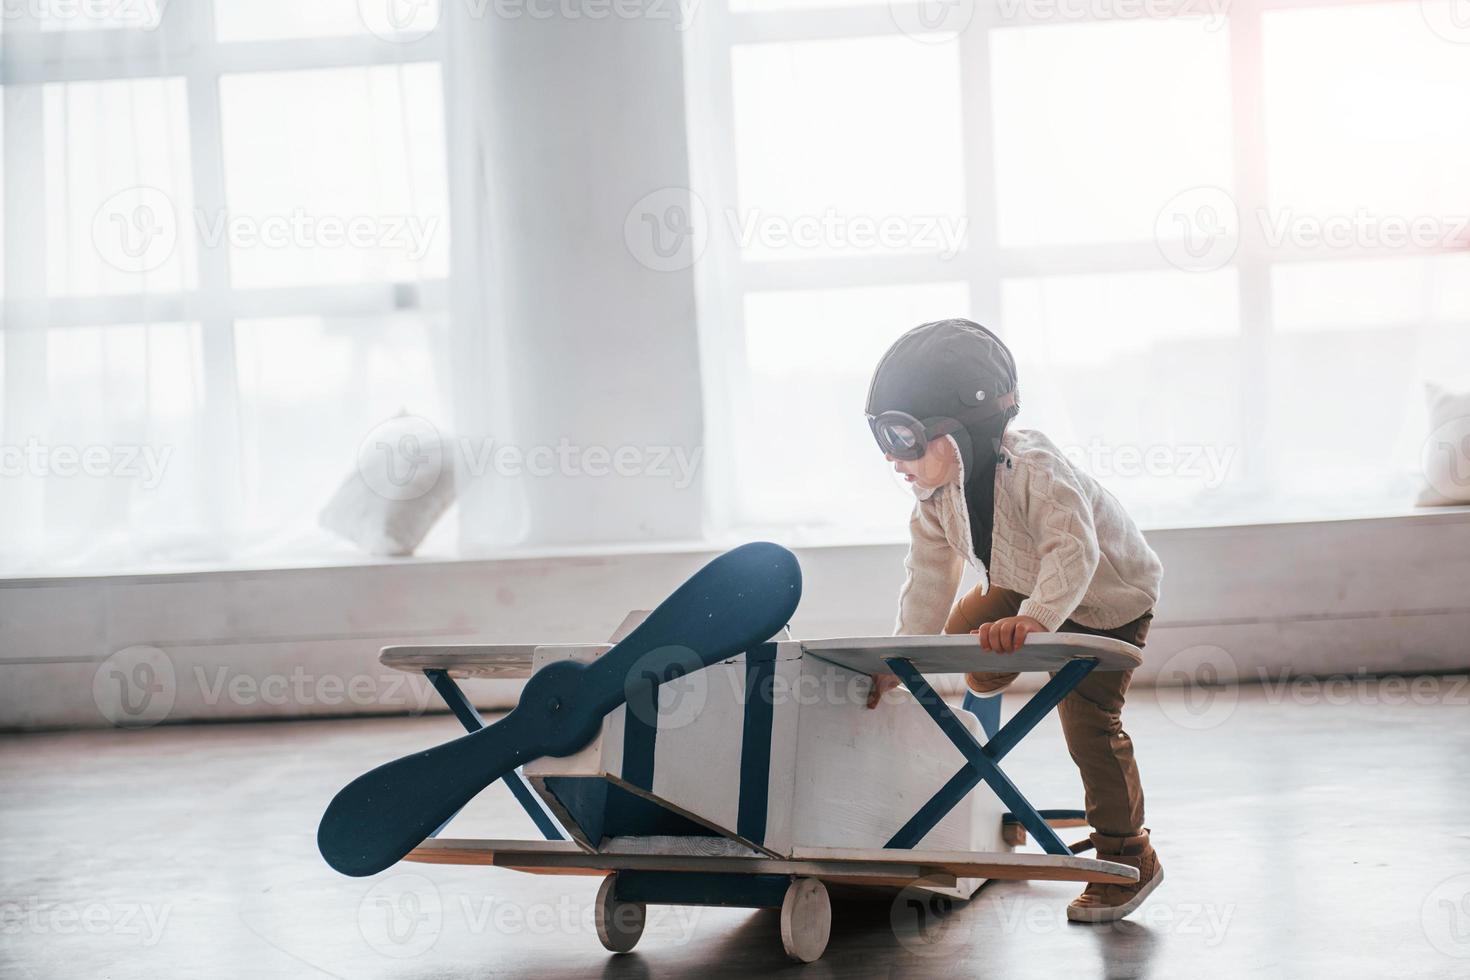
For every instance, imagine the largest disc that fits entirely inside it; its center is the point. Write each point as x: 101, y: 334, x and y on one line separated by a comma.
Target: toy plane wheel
x: 619, y: 924
x: 806, y: 919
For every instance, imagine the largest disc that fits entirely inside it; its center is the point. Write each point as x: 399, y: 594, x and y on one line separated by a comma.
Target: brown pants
x: 1092, y: 715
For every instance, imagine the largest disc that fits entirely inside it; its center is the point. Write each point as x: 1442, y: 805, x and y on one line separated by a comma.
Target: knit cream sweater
x: 1060, y: 539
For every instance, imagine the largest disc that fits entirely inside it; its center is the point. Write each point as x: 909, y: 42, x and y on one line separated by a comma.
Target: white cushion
x: 404, y: 480
x: 1447, y: 450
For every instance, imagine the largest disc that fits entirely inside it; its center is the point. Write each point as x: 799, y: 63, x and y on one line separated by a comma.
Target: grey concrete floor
x: 1304, y: 832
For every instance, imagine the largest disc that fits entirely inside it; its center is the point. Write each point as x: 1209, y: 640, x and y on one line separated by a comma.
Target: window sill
x: 800, y: 538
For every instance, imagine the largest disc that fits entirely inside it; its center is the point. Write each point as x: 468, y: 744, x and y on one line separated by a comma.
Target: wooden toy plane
x: 704, y: 757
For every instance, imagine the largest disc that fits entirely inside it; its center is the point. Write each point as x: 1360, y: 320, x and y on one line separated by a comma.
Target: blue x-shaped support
x: 515, y: 779
x: 981, y: 760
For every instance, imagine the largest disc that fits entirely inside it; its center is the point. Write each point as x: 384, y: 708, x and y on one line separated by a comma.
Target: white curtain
x: 226, y: 259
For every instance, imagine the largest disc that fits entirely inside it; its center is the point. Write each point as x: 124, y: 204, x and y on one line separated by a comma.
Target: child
x: 1054, y: 550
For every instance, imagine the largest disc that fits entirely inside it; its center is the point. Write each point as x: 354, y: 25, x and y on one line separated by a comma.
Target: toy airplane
x: 706, y: 758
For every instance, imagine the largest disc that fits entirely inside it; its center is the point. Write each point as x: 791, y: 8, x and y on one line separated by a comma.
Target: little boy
x: 1054, y: 551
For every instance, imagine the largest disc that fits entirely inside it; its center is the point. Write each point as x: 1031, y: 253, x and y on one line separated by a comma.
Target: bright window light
x: 843, y: 135
x: 335, y: 175
x: 1377, y: 121
x: 1098, y: 126
x: 119, y: 193
x: 804, y: 454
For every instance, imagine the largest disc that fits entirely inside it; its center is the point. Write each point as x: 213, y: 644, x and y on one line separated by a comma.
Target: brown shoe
x: 986, y: 684
x: 1107, y: 903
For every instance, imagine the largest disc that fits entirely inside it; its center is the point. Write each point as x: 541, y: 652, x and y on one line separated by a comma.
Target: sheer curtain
x: 226, y: 259
x: 1227, y: 254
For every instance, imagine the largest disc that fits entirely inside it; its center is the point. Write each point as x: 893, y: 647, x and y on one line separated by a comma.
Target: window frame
x: 182, y: 45
x: 726, y: 276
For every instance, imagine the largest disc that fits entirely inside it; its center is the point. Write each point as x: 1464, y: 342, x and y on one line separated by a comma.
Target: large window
x: 226, y: 253
x: 1225, y: 241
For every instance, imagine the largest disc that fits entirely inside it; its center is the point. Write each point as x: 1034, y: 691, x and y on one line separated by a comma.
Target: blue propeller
x: 738, y: 600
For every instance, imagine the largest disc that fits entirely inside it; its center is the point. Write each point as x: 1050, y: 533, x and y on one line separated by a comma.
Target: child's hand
x: 882, y: 684
x: 1007, y: 635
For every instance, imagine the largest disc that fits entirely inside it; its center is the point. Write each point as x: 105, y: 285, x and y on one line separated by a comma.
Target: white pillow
x: 404, y: 480
x: 1447, y: 450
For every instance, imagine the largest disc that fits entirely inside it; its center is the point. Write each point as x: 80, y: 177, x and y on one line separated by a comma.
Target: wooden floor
x: 1302, y: 837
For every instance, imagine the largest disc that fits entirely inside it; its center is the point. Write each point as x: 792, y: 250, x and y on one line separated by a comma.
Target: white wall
x: 1382, y: 595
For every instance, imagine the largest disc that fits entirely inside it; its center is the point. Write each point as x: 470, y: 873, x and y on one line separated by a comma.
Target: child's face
x: 933, y: 469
